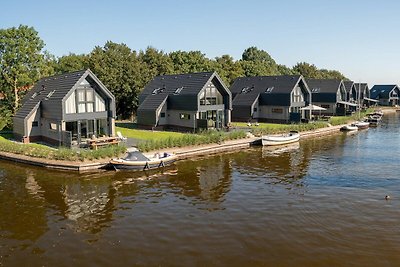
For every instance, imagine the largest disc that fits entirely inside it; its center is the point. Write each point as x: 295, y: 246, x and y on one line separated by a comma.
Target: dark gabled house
x: 330, y: 94
x: 185, y: 102
x: 362, y: 89
x: 270, y: 98
x: 351, y: 93
x: 387, y: 95
x: 66, y: 110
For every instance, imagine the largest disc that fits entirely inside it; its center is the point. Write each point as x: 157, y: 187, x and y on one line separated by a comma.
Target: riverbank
x: 182, y: 152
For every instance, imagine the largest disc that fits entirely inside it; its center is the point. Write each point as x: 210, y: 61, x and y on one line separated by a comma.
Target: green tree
x: 117, y: 66
x: 228, y: 69
x: 284, y: 70
x: 256, y: 62
x: 309, y: 71
x: 190, y: 61
x: 21, y: 61
x: 71, y: 62
x: 332, y: 74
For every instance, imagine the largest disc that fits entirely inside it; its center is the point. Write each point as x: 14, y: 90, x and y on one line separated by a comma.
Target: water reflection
x: 308, y: 200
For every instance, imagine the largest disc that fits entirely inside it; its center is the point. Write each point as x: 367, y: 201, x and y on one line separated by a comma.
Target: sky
x: 361, y: 39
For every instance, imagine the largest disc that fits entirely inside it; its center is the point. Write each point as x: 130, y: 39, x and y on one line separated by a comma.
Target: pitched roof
x: 382, y: 91
x: 323, y: 85
x: 60, y: 84
x: 53, y: 89
x: 348, y: 85
x: 247, y: 89
x: 363, y: 88
x: 158, y: 89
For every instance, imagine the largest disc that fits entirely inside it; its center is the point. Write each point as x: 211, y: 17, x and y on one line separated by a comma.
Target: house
x: 270, y: 98
x: 330, y: 94
x: 351, y: 94
x: 66, y: 110
x: 185, y: 102
x: 387, y: 95
x: 365, y: 98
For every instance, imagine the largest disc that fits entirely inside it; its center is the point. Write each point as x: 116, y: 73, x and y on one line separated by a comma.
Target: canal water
x: 319, y: 203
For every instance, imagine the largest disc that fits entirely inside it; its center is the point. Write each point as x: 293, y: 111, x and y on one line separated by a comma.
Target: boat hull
x: 362, y: 125
x: 120, y: 164
x: 268, y: 140
x: 349, y: 128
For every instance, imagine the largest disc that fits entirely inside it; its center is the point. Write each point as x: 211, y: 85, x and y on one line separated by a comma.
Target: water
x: 317, y: 204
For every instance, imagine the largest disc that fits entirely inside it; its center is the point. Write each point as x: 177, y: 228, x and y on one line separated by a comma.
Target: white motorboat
x: 349, y: 127
x: 361, y: 124
x: 137, y: 161
x: 276, y: 140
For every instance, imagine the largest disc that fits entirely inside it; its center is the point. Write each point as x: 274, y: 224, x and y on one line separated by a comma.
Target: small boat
x: 374, y: 120
x: 276, y: 140
x: 378, y: 112
x: 361, y: 124
x: 349, y: 127
x: 137, y: 161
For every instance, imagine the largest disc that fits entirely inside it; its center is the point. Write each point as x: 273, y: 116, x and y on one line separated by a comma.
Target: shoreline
x: 182, y: 152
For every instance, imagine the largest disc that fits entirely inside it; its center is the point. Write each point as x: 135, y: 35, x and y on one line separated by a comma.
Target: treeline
x: 124, y: 71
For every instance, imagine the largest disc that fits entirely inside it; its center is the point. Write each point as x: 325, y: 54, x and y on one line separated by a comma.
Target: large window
x: 297, y: 95
x: 85, y: 100
x: 210, y: 96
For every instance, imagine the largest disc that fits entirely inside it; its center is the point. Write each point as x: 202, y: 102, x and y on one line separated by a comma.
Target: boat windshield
x: 135, y: 156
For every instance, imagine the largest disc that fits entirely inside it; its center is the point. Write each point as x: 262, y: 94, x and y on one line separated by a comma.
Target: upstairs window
x: 210, y: 96
x: 157, y: 91
x: 269, y: 89
x: 178, y: 90
x: 246, y: 90
x: 50, y: 94
x: 34, y: 95
x: 85, y: 100
x: 315, y: 90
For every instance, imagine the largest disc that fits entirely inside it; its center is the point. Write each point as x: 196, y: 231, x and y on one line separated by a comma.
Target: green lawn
x: 271, y: 128
x: 147, y: 134
x: 43, y: 151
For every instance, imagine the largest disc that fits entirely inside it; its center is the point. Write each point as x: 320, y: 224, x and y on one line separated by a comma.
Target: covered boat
x: 276, y: 140
x: 137, y: 161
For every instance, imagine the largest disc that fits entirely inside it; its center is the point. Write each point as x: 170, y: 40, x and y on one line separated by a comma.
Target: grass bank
x: 42, y: 151
x: 275, y: 128
x: 338, y: 120
x: 207, y: 137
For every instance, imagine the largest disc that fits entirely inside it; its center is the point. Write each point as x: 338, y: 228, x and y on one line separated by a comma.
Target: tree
x: 256, y: 62
x: 309, y: 71
x: 21, y: 61
x: 332, y: 74
x: 255, y: 54
x: 71, y: 62
x: 190, y: 61
x: 117, y: 66
x: 284, y: 70
x: 228, y: 69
